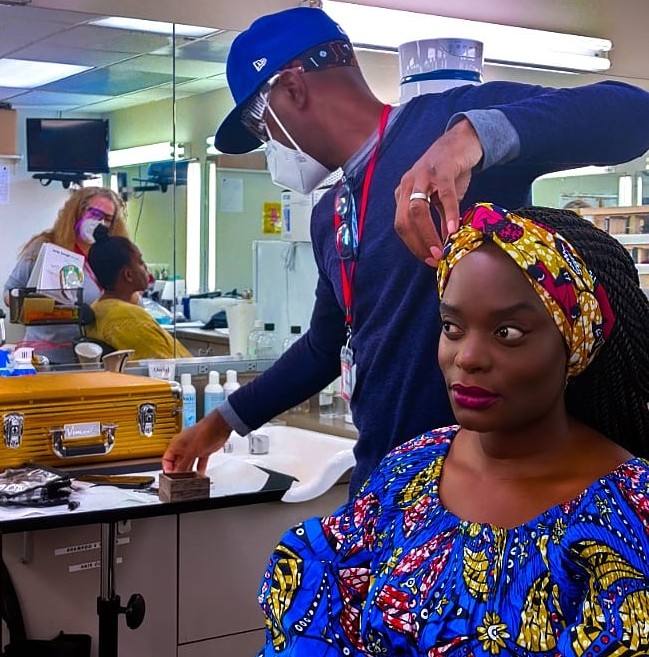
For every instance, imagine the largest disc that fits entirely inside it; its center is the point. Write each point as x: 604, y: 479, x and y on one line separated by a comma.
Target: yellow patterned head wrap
x: 574, y: 298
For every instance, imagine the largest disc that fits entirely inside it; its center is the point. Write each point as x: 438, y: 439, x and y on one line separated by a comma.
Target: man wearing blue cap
x: 298, y: 89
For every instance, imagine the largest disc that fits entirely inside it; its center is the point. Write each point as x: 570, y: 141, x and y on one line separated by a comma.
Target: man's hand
x: 197, y: 442
x: 442, y: 174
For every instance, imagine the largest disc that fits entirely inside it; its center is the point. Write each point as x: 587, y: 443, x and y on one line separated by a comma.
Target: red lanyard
x: 348, y: 276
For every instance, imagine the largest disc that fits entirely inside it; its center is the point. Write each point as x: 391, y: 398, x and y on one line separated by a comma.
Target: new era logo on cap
x: 259, y: 64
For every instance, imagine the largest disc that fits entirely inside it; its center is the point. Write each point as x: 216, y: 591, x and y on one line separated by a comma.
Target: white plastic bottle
x: 231, y: 384
x: 213, y: 394
x: 189, y: 400
x: 253, y: 337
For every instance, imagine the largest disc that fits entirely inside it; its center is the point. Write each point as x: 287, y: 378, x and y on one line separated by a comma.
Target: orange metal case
x: 86, y: 417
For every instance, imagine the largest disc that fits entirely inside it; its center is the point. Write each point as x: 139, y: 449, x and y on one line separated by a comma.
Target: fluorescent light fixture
x: 579, y: 171
x: 95, y: 181
x: 193, y: 252
x: 625, y: 191
x: 211, y: 227
x: 213, y: 150
x: 158, y: 152
x: 387, y: 29
x: 638, y: 190
x: 156, y: 27
x: 25, y: 74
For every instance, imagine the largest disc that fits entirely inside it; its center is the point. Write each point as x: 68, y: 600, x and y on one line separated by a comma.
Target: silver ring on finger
x: 419, y: 196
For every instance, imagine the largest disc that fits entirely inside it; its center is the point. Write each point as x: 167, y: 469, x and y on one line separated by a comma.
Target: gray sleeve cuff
x: 499, y: 139
x: 230, y: 416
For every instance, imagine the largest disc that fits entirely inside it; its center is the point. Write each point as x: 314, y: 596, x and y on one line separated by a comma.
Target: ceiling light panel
x: 26, y: 74
x: 389, y: 28
x: 157, y: 27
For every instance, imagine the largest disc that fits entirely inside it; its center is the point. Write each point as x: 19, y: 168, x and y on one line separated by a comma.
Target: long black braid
x: 611, y: 395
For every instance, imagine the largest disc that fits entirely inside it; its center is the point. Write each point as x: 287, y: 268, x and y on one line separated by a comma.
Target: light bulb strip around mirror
x: 158, y: 152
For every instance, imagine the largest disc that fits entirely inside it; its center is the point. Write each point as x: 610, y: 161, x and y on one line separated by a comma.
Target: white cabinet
x: 198, y: 573
x: 56, y: 575
x: 222, y: 556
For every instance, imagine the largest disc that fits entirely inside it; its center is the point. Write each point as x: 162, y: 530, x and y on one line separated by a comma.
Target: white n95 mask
x: 85, y: 229
x: 292, y: 167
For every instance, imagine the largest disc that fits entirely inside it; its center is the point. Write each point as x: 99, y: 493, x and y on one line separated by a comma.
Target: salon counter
x: 196, y: 563
x: 204, y: 342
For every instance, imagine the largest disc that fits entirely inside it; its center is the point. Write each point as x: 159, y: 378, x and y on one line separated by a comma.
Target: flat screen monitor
x: 67, y: 145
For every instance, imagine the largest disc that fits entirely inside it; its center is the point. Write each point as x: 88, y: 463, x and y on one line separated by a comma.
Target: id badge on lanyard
x: 347, y: 372
x: 347, y: 365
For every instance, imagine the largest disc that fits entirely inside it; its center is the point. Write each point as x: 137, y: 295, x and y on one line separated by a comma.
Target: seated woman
x: 123, y: 324
x: 523, y: 530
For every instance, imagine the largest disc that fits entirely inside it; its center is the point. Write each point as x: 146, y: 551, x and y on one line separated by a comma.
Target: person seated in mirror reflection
x: 523, y: 529
x: 82, y: 212
x: 119, y: 320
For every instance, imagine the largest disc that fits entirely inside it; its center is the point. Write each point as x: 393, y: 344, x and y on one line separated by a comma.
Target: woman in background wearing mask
x: 82, y: 212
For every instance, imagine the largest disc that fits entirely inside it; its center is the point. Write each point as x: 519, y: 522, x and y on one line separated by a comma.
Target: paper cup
x: 241, y: 319
x: 88, y: 353
x: 162, y: 369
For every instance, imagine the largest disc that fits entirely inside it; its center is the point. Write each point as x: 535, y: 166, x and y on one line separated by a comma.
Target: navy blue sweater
x: 400, y: 391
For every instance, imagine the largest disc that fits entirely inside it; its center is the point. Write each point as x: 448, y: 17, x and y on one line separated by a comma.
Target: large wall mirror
x: 196, y: 221
x: 163, y: 90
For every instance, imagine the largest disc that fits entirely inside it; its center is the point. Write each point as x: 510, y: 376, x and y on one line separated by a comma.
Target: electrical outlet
x: 251, y: 366
x: 203, y: 368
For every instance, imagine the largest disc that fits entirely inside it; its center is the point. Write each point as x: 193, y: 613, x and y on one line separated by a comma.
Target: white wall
x: 32, y: 208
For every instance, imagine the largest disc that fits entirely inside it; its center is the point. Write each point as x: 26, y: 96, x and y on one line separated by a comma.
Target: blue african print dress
x: 395, y: 573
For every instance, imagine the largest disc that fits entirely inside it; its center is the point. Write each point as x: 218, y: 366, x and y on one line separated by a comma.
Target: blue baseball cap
x: 269, y: 44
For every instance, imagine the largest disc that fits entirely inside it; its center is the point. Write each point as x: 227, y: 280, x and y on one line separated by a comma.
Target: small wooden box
x: 181, y: 486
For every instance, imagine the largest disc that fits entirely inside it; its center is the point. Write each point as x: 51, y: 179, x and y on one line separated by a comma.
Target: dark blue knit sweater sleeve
x: 603, y: 123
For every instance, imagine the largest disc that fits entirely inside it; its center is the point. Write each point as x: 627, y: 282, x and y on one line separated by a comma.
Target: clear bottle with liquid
x: 253, y: 338
x: 295, y: 334
x: 267, y: 346
x: 332, y: 405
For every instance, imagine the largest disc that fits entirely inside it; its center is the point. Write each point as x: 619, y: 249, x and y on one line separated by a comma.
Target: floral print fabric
x: 394, y: 573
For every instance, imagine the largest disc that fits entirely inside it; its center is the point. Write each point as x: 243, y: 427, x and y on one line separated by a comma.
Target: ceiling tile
x: 129, y: 68
x: 111, y: 81
x: 52, y: 100
x: 41, y: 52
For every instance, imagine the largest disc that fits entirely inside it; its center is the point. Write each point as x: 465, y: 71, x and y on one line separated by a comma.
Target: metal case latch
x: 146, y: 419
x: 13, y: 425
